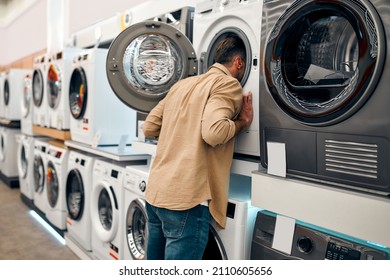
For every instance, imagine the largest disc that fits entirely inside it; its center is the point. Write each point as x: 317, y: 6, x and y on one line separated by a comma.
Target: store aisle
x: 23, y: 238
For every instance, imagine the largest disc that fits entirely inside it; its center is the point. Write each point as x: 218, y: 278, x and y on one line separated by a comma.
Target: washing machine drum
x: 54, y: 86
x: 37, y: 88
x: 78, y: 93
x: 39, y: 174
x: 53, y: 189
x: 6, y: 92
x: 323, y: 59
x: 26, y: 96
x: 75, y: 195
x: 145, y: 60
x: 136, y: 229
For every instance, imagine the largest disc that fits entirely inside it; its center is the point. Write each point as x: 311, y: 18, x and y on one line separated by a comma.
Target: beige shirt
x: 195, y: 130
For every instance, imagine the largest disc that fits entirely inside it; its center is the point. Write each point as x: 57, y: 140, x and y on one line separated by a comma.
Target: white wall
x: 27, y: 34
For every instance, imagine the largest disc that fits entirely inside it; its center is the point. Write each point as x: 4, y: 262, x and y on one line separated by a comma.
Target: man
x: 195, y: 125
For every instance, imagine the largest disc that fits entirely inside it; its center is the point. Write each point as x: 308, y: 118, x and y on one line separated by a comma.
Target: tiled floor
x: 21, y: 237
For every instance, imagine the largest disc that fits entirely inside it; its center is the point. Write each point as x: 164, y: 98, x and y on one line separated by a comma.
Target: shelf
x: 51, y: 132
x: 352, y: 213
x: 110, y: 152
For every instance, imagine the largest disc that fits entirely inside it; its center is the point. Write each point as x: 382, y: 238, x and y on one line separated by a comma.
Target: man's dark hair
x: 228, y: 48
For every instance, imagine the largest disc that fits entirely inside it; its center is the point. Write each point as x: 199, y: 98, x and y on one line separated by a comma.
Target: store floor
x: 23, y: 238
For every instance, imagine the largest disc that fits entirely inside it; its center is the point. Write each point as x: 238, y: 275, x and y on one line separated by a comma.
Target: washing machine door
x: 78, y: 93
x: 207, y: 58
x: 136, y: 229
x: 105, y: 211
x: 26, y: 99
x: 215, y: 249
x: 3, y: 145
x: 22, y: 160
x: 54, y: 85
x: 39, y: 174
x: 145, y: 60
x: 323, y: 59
x: 53, y: 189
x: 75, y: 195
x: 6, y: 92
x: 37, y: 88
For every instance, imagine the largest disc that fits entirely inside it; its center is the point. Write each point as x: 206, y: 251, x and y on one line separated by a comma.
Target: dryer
x: 78, y: 198
x: 56, y: 171
x: 27, y: 106
x: 39, y: 91
x: 40, y: 160
x: 94, y: 108
x: 58, y: 77
x: 8, y: 152
x: 214, y: 21
x: 324, y: 90
x: 134, y: 216
x: 233, y: 242
x: 25, y: 163
x: 13, y: 88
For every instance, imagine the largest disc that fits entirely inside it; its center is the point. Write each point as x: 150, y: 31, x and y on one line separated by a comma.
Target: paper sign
x: 276, y: 159
x: 284, y: 233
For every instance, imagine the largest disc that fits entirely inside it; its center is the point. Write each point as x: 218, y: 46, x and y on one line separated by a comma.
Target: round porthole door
x: 136, y: 229
x: 75, y: 195
x: 53, y: 187
x: 145, y: 60
x: 22, y: 162
x: 78, y: 93
x: 6, y: 92
x: 54, y: 86
x: 2, y: 146
x: 37, y: 88
x: 39, y: 174
x: 323, y: 59
x: 26, y: 99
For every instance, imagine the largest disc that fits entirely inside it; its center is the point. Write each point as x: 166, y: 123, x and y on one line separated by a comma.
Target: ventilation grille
x: 352, y: 158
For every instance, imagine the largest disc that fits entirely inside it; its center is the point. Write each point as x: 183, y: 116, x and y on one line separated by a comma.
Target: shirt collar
x: 221, y: 68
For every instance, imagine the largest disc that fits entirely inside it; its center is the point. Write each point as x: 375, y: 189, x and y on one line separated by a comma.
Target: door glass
x: 78, y: 93
x: 26, y: 96
x: 152, y: 64
x: 74, y: 194
x: 6, y: 92
x: 23, y: 161
x: 105, y: 209
x: 39, y: 174
x: 136, y: 231
x: 37, y: 88
x: 2, y: 147
x: 54, y: 86
x: 52, y: 185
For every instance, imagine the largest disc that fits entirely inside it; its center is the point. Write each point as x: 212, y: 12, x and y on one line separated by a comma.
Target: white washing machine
x: 8, y: 152
x: 27, y: 107
x: 25, y: 156
x: 39, y: 91
x: 78, y: 198
x: 233, y: 242
x: 213, y: 21
x: 58, y: 77
x: 40, y: 159
x: 56, y: 171
x: 96, y: 112
x: 134, y: 215
x: 13, y: 92
x: 106, y: 200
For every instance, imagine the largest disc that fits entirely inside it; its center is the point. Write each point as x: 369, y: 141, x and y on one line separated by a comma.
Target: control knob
x: 305, y: 244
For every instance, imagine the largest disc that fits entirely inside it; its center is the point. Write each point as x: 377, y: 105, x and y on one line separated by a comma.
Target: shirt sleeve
x: 153, y: 122
x: 222, y: 108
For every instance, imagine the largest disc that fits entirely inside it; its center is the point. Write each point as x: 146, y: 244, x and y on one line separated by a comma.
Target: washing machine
x: 134, y: 216
x: 310, y: 242
x: 13, y: 88
x: 324, y: 91
x: 40, y: 160
x: 107, y: 178
x: 234, y: 241
x: 58, y: 77
x: 39, y: 91
x: 27, y: 107
x: 25, y: 163
x: 8, y: 152
x: 78, y: 198
x: 214, y: 21
x: 56, y: 175
x: 94, y: 108
x: 162, y: 55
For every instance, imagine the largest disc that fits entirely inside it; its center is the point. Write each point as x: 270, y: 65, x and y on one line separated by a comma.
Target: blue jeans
x: 177, y: 235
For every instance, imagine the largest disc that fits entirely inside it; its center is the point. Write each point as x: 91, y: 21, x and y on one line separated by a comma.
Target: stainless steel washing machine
x: 324, y: 90
x: 310, y: 242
